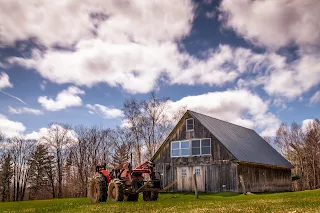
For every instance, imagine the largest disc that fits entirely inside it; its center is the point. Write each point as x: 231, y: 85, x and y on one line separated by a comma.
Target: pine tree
x: 39, y: 165
x: 121, y: 154
x: 6, y: 173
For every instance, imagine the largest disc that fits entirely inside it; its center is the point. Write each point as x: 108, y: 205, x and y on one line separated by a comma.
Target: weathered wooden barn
x: 219, y: 152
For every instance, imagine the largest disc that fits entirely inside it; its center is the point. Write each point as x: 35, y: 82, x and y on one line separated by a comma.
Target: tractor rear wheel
x: 116, y: 191
x: 98, y: 189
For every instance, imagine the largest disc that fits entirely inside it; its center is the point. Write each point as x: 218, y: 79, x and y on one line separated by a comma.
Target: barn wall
x: 219, y: 172
x: 258, y: 178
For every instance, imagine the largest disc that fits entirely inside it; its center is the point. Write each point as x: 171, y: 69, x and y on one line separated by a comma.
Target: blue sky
x: 254, y: 63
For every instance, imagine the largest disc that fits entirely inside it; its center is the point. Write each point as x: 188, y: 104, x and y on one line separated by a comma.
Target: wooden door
x: 199, y: 171
x: 184, y: 179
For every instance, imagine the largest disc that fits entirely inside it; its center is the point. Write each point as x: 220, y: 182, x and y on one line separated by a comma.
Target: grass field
x: 306, y: 201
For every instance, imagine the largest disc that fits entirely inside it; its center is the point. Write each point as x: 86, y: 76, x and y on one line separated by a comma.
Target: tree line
x: 301, y: 146
x: 61, y: 162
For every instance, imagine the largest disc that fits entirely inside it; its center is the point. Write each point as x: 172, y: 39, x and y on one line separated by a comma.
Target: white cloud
x: 306, y: 124
x: 277, y: 24
x: 26, y: 110
x: 35, y: 135
x: 104, y: 111
x: 65, y: 99
x: 11, y: 128
x: 4, y: 81
x: 274, y: 24
x: 315, y: 98
x: 236, y: 106
x: 294, y: 79
x: 113, y: 20
x: 46, y: 132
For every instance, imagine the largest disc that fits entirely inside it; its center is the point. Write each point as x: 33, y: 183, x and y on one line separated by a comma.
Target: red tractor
x: 125, y: 184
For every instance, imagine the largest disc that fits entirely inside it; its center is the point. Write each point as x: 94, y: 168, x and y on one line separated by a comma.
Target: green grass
x: 294, y: 202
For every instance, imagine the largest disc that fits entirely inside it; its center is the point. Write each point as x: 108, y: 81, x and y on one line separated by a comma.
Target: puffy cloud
x: 277, y: 24
x: 11, y: 128
x: 46, y: 132
x: 274, y: 24
x: 315, y: 98
x: 104, y: 111
x: 296, y: 78
x: 26, y: 110
x: 236, y: 106
x: 65, y: 99
x: 4, y: 81
x: 112, y: 20
x: 137, y: 69
x: 35, y: 135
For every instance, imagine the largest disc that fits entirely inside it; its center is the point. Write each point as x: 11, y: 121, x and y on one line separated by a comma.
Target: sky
x: 252, y: 63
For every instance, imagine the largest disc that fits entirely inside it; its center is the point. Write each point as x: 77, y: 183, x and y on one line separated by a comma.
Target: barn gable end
x: 220, y: 169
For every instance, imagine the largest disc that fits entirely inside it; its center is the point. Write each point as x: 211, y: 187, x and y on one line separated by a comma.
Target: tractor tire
x: 116, y: 191
x: 146, y: 196
x: 98, y: 189
x: 154, y: 196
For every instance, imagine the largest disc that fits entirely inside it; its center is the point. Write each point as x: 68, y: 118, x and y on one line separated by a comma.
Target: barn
x: 224, y: 157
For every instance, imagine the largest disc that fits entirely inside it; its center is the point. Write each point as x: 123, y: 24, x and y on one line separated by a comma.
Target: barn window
x: 190, y: 124
x: 197, y: 171
x: 201, y: 146
x: 205, y: 146
x: 180, y: 148
x: 194, y: 147
x: 175, y: 149
x: 183, y: 172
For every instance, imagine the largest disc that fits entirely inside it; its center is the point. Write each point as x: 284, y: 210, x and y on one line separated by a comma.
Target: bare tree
x: 91, y: 148
x: 150, y: 122
x: 20, y: 150
x: 58, y: 138
x: 302, y: 148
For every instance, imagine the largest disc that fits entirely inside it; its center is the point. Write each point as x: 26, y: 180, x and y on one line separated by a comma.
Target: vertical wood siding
x: 259, y: 178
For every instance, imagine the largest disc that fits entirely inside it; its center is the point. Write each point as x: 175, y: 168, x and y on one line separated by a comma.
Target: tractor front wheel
x: 98, y: 189
x: 115, y: 192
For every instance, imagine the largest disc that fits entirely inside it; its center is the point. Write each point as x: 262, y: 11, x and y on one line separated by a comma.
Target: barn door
x: 184, y: 179
x: 200, y: 178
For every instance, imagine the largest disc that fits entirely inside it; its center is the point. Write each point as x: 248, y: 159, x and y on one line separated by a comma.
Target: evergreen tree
x: 6, y: 173
x: 40, y: 165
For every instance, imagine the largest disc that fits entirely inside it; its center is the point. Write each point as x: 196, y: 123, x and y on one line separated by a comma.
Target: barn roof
x: 243, y: 143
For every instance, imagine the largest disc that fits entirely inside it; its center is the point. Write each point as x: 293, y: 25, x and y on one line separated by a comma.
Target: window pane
x: 175, y: 145
x: 175, y: 153
x: 195, y: 151
x: 205, y: 150
x: 190, y: 121
x: 197, y: 171
x: 195, y: 143
x: 183, y: 172
x: 185, y: 152
x: 190, y: 124
x: 185, y: 144
x: 205, y: 142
